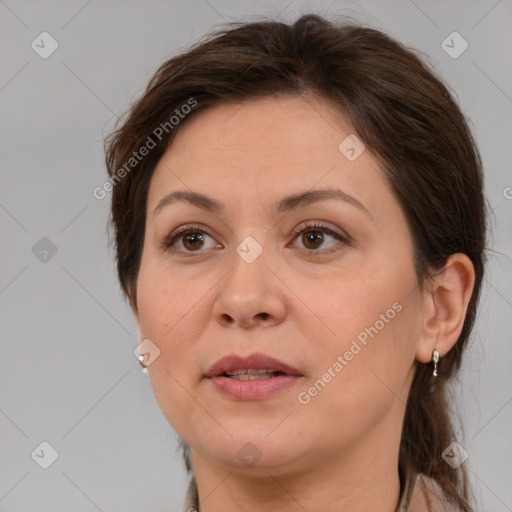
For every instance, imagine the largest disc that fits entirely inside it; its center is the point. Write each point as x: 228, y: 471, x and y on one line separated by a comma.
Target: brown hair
x: 405, y: 116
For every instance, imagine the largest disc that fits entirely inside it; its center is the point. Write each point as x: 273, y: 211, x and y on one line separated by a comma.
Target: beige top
x: 411, y: 499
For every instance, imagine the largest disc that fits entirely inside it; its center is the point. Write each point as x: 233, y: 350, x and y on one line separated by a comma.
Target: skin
x: 296, y: 302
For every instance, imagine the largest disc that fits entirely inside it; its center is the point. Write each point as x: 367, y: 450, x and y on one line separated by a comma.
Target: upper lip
x: 254, y: 361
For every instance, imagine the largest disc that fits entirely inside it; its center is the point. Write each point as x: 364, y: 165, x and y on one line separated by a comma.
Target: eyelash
x: 166, y: 245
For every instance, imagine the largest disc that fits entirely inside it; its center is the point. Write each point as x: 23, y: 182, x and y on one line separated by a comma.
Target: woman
x: 300, y: 228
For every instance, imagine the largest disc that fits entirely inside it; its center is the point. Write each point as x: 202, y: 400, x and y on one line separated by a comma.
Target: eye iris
x: 192, y: 238
x: 313, y: 237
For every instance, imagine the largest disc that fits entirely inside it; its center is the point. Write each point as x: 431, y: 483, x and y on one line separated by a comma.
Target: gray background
x: 68, y: 375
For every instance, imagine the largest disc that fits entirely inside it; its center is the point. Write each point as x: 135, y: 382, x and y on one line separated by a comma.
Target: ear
x: 445, y: 302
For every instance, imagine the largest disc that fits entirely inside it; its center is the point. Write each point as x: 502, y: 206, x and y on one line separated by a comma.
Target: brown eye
x: 312, y: 239
x: 193, y: 241
x: 188, y: 240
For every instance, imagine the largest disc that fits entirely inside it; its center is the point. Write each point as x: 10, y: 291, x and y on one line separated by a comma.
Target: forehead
x: 264, y: 125
x: 265, y: 143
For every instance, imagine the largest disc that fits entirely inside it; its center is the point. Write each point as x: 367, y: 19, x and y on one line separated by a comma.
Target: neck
x: 361, y: 478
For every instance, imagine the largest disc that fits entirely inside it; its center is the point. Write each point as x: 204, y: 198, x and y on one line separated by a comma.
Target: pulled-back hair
x: 404, y: 115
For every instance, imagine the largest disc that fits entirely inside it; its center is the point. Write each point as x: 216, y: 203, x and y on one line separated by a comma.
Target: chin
x: 256, y: 454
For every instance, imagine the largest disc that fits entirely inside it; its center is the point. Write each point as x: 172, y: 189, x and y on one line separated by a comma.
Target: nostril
x: 228, y: 319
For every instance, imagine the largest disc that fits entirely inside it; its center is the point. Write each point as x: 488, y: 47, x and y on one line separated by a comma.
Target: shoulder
x: 427, y: 496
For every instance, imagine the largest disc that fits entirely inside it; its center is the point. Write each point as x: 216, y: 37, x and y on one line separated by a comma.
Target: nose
x: 250, y: 295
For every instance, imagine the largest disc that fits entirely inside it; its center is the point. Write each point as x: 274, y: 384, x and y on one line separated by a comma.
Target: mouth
x: 256, y: 377
x: 252, y: 374
x: 255, y: 366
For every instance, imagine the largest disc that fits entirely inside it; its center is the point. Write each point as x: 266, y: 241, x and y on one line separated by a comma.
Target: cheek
x: 367, y: 357
x: 167, y: 302
x: 357, y: 384
x: 360, y: 303
x: 172, y: 316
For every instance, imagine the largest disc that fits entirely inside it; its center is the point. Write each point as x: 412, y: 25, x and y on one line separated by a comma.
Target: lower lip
x: 257, y: 389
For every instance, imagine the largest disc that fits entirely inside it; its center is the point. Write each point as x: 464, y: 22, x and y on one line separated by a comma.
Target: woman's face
x: 325, y: 284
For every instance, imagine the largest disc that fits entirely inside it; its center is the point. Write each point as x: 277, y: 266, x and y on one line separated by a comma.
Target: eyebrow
x: 286, y: 204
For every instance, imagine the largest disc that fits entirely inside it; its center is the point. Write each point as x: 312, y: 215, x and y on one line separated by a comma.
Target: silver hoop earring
x: 435, y: 360
x: 144, y: 369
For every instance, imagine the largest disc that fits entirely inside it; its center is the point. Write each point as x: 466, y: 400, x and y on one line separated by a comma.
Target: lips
x: 257, y: 377
x: 253, y: 366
